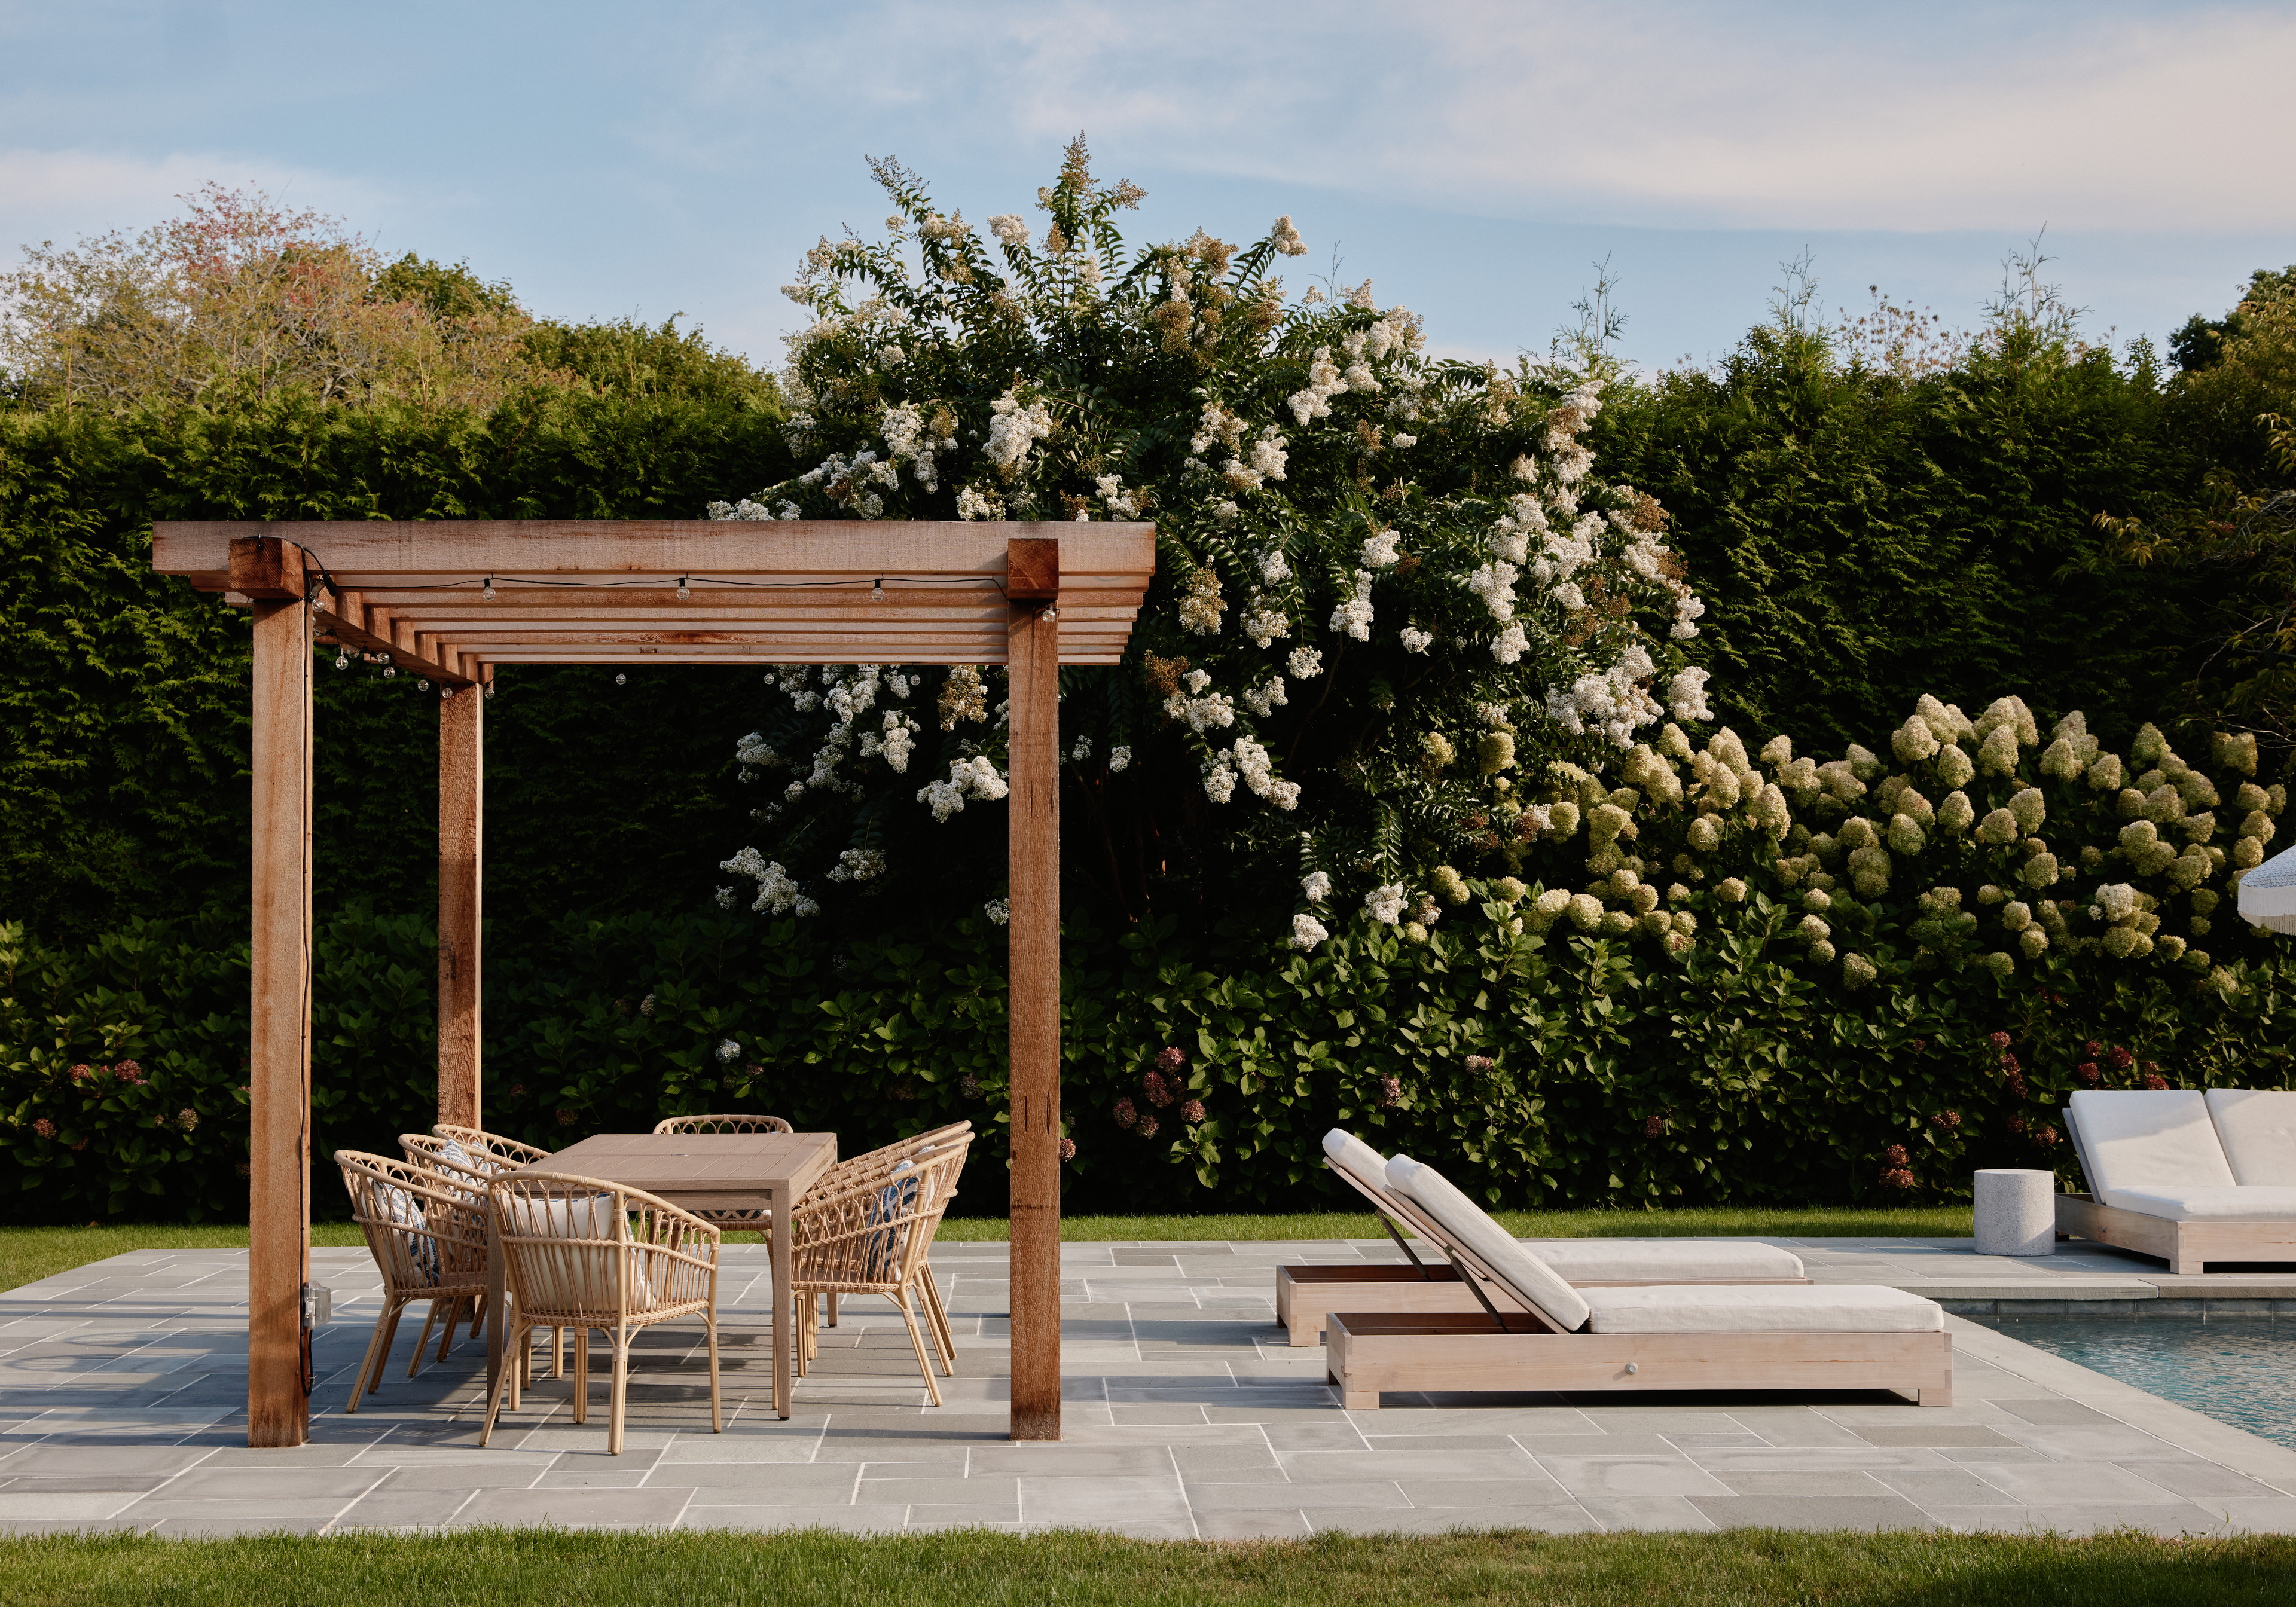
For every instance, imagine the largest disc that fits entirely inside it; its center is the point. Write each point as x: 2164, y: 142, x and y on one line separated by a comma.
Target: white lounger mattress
x: 2221, y: 1203
x: 1664, y: 1260
x: 1761, y: 1308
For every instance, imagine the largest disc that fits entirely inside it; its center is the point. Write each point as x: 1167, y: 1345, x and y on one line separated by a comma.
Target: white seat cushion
x: 1762, y: 1308
x: 1471, y: 1228
x: 1663, y: 1260
x: 1352, y: 1156
x: 2149, y: 1139
x: 579, y: 1275
x: 2210, y: 1204
x: 2258, y: 1129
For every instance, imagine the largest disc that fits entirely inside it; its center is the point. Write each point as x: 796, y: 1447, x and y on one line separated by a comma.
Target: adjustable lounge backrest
x: 1471, y: 1229
x: 2149, y: 1139
x: 2258, y: 1129
x: 1355, y: 1161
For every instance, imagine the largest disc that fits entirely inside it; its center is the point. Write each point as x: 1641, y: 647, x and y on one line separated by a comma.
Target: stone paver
x: 122, y: 1407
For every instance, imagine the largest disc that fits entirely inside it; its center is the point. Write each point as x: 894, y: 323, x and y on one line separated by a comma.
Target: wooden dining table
x: 700, y: 1172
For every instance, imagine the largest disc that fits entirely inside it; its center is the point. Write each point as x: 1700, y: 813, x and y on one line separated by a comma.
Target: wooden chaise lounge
x: 1306, y: 1294
x: 2186, y: 1177
x: 1734, y: 1336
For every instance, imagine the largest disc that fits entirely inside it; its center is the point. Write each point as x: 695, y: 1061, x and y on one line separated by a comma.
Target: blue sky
x: 1474, y: 158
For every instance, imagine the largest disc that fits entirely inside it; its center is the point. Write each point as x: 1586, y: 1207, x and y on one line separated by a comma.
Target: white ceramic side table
x: 2016, y: 1213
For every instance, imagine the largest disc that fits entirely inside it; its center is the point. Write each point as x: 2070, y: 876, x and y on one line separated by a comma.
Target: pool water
x: 2238, y: 1370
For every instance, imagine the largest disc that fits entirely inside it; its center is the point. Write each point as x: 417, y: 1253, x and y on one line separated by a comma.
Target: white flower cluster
x: 1324, y: 383
x: 1253, y: 762
x: 974, y: 777
x: 1686, y: 695
x: 1615, y: 703
x: 857, y: 864
x: 1494, y: 583
x: 1011, y: 230
x: 1415, y: 640
x: 777, y: 893
x: 753, y: 512
x: 1266, y: 697
x: 972, y: 504
x: 1266, y: 622
x: 1353, y: 614
x: 1113, y: 493
x: 1378, y: 549
x: 1198, y: 709
x: 1306, y: 663
x: 910, y: 439
x: 1384, y: 902
x: 1013, y: 430
x: 1315, y: 886
x: 999, y: 911
x: 1286, y: 238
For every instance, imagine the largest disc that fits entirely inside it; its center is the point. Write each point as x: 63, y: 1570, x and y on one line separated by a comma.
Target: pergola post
x: 279, y: 1048
x: 462, y: 753
x: 1033, y: 662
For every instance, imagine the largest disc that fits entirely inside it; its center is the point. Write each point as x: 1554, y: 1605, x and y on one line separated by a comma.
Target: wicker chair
x: 871, y: 1238
x: 875, y: 1166
x: 490, y: 1150
x: 584, y: 1253
x: 429, y: 1236
x: 755, y: 1220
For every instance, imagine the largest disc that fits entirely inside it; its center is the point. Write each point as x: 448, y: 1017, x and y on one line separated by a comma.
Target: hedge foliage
x: 1699, y: 999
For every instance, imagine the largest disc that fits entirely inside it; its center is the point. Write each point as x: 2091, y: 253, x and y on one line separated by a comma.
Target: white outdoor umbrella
x: 2267, y: 894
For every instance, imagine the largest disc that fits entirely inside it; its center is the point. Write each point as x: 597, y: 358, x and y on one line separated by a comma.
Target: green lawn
x: 503, y: 1569
x: 28, y: 1254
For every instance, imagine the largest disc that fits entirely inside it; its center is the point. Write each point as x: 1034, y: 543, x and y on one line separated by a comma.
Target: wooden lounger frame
x: 1307, y: 1295
x: 2188, y: 1246
x: 1371, y: 1353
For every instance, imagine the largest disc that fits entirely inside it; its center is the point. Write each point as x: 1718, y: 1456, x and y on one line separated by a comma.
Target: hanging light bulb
x: 445, y: 694
x: 390, y: 670
x: 490, y: 689
x: 683, y: 593
x: 342, y: 659
x: 487, y: 592
x: 421, y: 685
x: 877, y: 592
x: 621, y: 680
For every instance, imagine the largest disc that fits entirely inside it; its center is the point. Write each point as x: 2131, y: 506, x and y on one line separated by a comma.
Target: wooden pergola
x: 450, y: 602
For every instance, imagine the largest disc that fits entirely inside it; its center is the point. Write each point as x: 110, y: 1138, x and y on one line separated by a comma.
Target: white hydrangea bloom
x: 1307, y: 931
x: 1384, y: 902
x: 1316, y: 885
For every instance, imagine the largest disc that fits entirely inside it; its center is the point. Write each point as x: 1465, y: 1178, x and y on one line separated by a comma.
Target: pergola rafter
x: 452, y: 601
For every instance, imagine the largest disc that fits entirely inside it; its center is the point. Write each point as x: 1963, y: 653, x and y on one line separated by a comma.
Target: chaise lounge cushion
x: 2148, y: 1140
x: 1471, y: 1228
x: 2209, y: 1204
x: 1664, y: 1260
x: 2258, y: 1129
x: 1762, y: 1308
x: 1355, y: 1157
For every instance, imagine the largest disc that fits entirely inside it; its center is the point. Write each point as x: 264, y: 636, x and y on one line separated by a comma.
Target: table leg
x: 783, y: 1325
x: 495, y: 1312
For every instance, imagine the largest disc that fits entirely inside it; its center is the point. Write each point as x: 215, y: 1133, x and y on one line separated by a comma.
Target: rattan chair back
x: 723, y: 1124
x: 451, y: 1162
x: 873, y: 1164
x: 871, y: 1237
x: 426, y: 1232
x: 583, y: 1252
x: 483, y: 1146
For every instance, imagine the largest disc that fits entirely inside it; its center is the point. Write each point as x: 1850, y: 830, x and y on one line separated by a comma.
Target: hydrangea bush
x: 1377, y: 570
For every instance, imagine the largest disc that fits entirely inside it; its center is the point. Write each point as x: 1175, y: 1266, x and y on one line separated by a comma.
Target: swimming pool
x: 2238, y: 1370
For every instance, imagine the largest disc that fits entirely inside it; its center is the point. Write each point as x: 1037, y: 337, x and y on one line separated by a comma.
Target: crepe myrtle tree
x: 1385, y: 579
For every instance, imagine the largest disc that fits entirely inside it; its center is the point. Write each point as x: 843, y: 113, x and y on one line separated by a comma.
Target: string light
x: 621, y: 680
x: 421, y: 685
x: 488, y: 593
x: 390, y: 670
x: 683, y: 593
x: 342, y: 659
x: 877, y: 592
x: 490, y: 689
x: 445, y: 693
